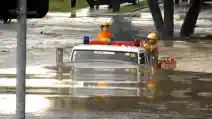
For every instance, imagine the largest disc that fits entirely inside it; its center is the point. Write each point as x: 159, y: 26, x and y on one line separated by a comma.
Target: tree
x: 168, y: 18
x: 157, y: 17
x: 191, y: 18
x: 73, y: 3
x: 164, y: 27
x: 177, y: 2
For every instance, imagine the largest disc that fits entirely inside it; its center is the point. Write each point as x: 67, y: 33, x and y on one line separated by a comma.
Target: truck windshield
x: 97, y: 55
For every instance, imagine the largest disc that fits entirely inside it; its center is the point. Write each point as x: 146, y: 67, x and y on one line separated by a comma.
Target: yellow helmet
x: 152, y: 36
x: 105, y: 24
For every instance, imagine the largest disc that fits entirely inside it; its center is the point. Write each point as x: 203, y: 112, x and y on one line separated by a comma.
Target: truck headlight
x: 132, y: 70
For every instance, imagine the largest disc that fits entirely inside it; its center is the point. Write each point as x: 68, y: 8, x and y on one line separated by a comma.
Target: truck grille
x: 104, y: 92
x: 90, y: 74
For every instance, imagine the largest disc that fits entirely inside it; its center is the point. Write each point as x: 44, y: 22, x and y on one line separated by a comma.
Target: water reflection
x: 167, y: 92
x: 34, y: 103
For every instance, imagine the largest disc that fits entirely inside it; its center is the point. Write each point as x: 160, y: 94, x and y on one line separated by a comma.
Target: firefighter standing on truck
x: 151, y: 44
x: 104, y: 35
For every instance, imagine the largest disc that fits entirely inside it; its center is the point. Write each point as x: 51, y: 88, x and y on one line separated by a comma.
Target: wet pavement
x: 181, y: 94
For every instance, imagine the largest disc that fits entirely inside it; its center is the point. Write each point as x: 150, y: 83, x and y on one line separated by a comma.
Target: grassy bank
x: 131, y: 8
x: 63, y: 5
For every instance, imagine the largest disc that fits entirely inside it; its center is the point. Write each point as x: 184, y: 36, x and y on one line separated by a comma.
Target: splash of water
x: 122, y: 29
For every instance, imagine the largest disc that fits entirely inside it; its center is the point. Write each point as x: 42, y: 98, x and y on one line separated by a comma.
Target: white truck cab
x: 131, y: 54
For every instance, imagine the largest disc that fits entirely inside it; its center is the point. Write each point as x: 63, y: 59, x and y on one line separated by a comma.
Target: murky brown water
x: 181, y: 94
x: 170, y: 94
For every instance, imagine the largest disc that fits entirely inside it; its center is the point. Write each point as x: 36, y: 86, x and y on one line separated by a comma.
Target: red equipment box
x: 167, y: 63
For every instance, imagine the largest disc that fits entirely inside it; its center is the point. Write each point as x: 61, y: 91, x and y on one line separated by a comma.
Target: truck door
x: 150, y: 59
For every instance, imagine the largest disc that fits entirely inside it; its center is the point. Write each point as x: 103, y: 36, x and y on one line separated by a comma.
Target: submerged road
x: 180, y: 94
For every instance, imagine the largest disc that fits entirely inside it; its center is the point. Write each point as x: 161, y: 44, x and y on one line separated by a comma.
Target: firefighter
x: 104, y: 34
x: 151, y: 45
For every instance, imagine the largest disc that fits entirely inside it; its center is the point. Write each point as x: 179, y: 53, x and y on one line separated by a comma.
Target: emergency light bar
x: 126, y: 43
x: 86, y: 40
x: 95, y: 42
x: 119, y: 43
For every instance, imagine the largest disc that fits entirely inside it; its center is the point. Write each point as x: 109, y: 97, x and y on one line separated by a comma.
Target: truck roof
x: 108, y: 48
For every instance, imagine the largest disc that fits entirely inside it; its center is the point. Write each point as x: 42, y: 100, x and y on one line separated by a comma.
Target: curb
x: 145, y: 6
x: 176, y: 16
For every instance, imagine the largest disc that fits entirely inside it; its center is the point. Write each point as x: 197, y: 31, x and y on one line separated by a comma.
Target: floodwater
x: 184, y: 93
x: 172, y: 94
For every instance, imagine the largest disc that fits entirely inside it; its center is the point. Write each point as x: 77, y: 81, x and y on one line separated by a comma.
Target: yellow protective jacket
x: 103, y: 36
x: 152, y: 48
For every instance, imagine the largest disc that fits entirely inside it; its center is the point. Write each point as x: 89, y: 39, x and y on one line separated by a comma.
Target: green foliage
x: 131, y: 8
x: 63, y: 5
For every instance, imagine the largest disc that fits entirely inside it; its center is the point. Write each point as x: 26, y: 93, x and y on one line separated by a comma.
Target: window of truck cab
x: 104, y: 55
x: 143, y: 59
